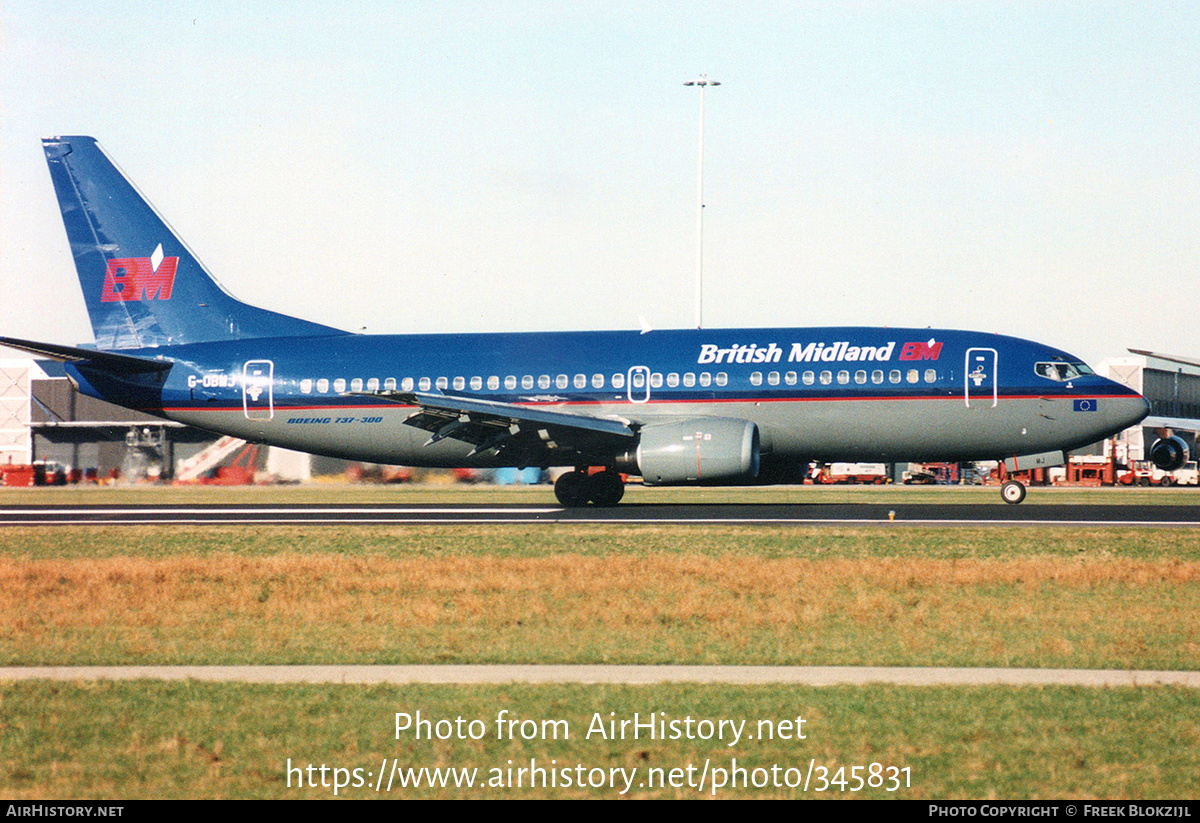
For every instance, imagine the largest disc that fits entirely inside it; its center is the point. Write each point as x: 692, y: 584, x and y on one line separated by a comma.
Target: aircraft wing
x: 528, y: 434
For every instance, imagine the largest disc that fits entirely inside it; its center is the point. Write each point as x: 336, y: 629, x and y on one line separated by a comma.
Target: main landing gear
x: 1012, y: 492
x: 578, y: 488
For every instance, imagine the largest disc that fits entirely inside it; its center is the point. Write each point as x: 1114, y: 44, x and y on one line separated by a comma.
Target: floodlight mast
x: 702, y: 82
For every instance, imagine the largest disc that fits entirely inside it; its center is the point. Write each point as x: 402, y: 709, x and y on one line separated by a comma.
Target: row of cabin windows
x: 597, y: 381
x: 527, y: 382
x: 843, y: 377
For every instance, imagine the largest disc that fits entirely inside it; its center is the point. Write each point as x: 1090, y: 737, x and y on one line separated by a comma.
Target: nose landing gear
x: 578, y: 488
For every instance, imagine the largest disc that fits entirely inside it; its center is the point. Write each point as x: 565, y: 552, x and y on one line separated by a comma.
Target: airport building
x: 1172, y: 385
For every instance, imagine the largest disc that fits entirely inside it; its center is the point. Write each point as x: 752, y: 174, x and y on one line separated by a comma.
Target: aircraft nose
x: 1132, y: 410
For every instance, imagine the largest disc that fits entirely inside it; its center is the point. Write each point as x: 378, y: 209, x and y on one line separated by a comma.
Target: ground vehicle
x: 873, y: 473
x: 1145, y: 473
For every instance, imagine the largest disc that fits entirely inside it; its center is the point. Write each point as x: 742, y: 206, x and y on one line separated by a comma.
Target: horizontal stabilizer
x: 110, y: 361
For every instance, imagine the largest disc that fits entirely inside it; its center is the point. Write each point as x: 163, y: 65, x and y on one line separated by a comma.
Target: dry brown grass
x: 589, y: 607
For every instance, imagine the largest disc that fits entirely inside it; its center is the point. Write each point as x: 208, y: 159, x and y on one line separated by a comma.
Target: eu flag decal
x: 1087, y: 405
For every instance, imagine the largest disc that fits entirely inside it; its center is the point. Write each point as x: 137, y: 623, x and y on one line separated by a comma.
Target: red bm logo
x: 921, y: 351
x: 136, y: 278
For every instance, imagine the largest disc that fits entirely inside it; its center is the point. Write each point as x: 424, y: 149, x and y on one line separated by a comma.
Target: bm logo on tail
x: 139, y: 278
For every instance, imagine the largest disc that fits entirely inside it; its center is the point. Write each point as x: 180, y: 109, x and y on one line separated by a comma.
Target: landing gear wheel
x: 606, y: 488
x: 1012, y: 492
x: 572, y: 489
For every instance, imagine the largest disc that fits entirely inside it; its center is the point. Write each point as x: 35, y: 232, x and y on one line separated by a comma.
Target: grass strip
x: 182, y: 740
x: 671, y: 606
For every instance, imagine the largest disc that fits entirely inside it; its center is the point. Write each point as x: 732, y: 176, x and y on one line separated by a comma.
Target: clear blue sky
x: 1026, y: 168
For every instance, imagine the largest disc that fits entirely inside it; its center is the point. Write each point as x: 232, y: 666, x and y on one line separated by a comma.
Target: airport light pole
x: 702, y: 81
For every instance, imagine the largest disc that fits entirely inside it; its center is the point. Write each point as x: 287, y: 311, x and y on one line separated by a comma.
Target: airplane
x: 676, y: 407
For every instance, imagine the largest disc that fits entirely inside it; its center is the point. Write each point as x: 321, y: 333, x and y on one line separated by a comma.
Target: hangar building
x: 1171, y: 384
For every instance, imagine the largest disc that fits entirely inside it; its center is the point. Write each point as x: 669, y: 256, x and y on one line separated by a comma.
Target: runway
x: 616, y: 675
x: 802, y: 514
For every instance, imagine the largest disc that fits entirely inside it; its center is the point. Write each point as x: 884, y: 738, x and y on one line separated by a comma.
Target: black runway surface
x: 882, y: 514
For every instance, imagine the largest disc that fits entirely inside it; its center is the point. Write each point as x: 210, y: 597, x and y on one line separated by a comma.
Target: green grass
x: 545, y: 540
x: 172, y: 740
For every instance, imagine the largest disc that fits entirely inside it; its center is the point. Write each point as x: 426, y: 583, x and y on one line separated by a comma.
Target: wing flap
x: 513, y: 429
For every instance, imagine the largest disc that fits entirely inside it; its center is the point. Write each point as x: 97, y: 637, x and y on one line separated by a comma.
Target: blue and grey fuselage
x: 674, y: 406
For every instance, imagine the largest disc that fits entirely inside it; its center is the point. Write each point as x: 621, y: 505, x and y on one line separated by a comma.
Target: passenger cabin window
x: 460, y: 383
x: 424, y: 384
x: 476, y: 383
x: 773, y: 378
x: 356, y: 384
x: 618, y: 381
x: 597, y: 381
x: 809, y: 378
x: 561, y: 381
x: 306, y: 386
x: 689, y: 380
x: 442, y: 383
x: 656, y: 380
x: 493, y: 382
x: 527, y: 382
x: 581, y: 381
x: 705, y: 379
x: 389, y: 384
x: 722, y: 378
x: 544, y: 381
x: 672, y: 380
x: 510, y: 382
x: 339, y: 385
x: 756, y: 378
x: 406, y: 384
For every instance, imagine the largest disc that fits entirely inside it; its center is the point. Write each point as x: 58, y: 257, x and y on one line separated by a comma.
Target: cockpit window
x: 1061, y: 370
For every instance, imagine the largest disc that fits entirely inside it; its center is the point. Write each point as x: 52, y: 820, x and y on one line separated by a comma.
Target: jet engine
x: 1169, y: 453
x: 698, y: 449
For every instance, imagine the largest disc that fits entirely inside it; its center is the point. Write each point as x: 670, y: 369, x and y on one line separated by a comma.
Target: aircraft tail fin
x: 143, y: 287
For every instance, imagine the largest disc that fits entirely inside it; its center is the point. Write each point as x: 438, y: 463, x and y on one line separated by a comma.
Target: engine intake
x: 1169, y: 453
x: 698, y: 449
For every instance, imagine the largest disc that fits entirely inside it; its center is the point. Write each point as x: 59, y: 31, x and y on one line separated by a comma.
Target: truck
x: 873, y: 473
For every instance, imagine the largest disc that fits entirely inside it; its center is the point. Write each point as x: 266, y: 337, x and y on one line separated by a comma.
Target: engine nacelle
x: 1169, y: 453
x: 698, y: 450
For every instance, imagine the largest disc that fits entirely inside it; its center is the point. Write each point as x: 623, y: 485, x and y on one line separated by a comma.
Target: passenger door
x: 979, y: 389
x: 258, y: 395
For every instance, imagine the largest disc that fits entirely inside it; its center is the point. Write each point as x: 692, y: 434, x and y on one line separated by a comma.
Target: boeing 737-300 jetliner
x: 695, y: 406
